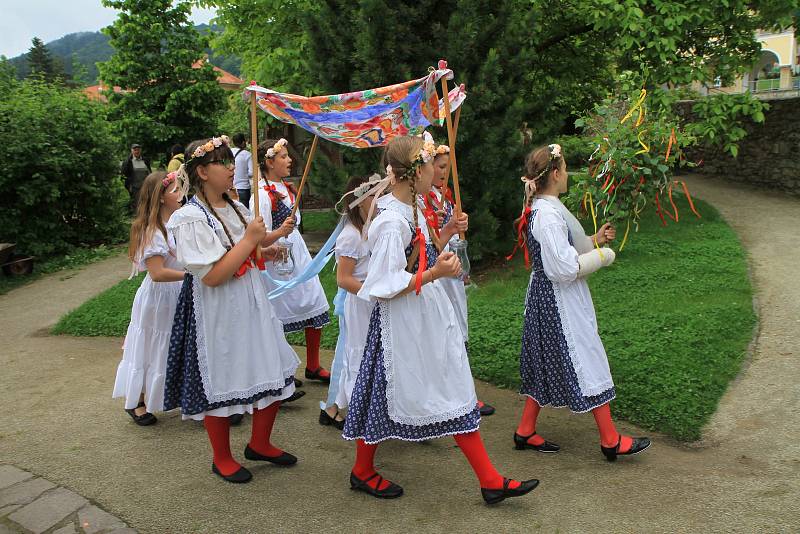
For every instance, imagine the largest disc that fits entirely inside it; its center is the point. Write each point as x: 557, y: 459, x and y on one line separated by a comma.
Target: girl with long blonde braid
x: 414, y: 382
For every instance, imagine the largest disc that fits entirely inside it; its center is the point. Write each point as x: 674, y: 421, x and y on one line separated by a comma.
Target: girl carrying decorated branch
x: 563, y: 362
x: 228, y: 353
x: 352, y: 259
x: 414, y: 382
x: 140, y: 375
x: 305, y: 306
x: 439, y: 208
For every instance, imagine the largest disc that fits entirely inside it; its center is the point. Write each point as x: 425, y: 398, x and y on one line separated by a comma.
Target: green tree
x: 164, y: 99
x: 60, y: 186
x: 531, y: 68
x: 42, y: 65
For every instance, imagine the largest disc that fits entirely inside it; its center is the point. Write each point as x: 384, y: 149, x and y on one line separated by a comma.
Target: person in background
x: 175, y: 158
x: 135, y: 169
x: 243, y: 171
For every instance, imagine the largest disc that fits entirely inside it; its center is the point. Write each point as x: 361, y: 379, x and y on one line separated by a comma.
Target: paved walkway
x: 32, y: 504
x: 58, y: 421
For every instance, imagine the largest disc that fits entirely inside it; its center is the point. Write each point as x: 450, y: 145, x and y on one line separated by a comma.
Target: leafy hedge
x: 59, y: 184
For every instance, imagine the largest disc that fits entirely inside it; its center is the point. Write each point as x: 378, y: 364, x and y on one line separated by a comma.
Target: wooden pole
x: 452, y: 142
x: 447, y: 172
x: 256, y: 162
x: 305, y: 174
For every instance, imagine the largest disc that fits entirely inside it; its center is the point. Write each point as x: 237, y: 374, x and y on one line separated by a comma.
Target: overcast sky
x: 22, y: 20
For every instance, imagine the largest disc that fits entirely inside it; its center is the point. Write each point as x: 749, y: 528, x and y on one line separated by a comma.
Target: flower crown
x: 277, y: 147
x: 442, y: 150
x: 555, y: 151
x: 425, y: 154
x: 169, y: 178
x: 209, y: 146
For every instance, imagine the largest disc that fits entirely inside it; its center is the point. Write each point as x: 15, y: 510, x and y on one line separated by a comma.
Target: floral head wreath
x: 277, y: 147
x: 441, y: 150
x: 530, y: 183
x: 210, y: 145
x: 169, y: 178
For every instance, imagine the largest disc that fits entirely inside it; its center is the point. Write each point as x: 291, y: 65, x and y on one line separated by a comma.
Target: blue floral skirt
x: 184, y: 385
x: 368, y: 415
x: 318, y: 321
x: 545, y: 366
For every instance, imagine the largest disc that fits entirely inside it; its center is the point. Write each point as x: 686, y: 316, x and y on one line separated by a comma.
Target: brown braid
x: 214, y: 213
x: 412, y: 183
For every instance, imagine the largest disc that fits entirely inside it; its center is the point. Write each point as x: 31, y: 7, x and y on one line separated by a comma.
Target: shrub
x: 59, y: 184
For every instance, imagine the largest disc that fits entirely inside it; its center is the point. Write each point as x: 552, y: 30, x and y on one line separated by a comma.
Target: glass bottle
x: 459, y: 248
x: 284, y: 260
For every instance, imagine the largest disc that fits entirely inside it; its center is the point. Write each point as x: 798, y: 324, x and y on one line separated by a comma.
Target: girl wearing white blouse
x: 140, y: 375
x: 414, y: 382
x: 305, y: 306
x: 352, y: 264
x: 228, y: 354
x: 563, y: 362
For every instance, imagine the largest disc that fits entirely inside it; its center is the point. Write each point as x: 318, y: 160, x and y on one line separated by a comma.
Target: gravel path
x: 58, y: 421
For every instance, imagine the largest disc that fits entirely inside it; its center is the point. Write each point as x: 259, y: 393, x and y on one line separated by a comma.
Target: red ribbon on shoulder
x: 523, y: 221
x: 276, y: 196
x: 250, y: 263
x: 430, y: 211
x: 423, y: 258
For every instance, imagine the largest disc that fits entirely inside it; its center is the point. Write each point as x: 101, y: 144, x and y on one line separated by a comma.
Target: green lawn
x: 675, y: 313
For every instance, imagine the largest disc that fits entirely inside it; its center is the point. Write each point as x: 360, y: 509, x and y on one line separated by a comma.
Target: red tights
x: 313, y: 337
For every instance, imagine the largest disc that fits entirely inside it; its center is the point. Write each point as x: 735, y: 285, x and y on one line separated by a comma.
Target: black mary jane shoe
x: 521, y: 443
x: 392, y: 491
x: 327, y: 420
x: 638, y: 445
x: 146, y: 419
x: 298, y: 383
x: 235, y: 419
x: 494, y: 496
x: 284, y: 459
x: 486, y: 410
x: 239, y: 477
x: 298, y: 394
x: 315, y: 375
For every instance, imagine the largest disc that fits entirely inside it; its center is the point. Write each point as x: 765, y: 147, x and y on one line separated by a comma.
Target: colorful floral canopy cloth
x: 365, y: 119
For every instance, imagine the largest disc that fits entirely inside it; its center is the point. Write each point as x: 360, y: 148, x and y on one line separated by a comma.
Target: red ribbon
x: 250, y: 263
x: 523, y: 221
x: 430, y: 211
x: 276, y: 196
x: 423, y: 258
x: 658, y: 210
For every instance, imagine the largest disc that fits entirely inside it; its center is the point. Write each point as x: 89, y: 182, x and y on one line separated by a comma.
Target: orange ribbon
x: 523, y: 221
x: 250, y: 263
x: 423, y: 258
x: 688, y: 196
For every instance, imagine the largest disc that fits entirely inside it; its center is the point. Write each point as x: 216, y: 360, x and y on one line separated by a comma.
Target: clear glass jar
x: 459, y: 248
x: 284, y: 259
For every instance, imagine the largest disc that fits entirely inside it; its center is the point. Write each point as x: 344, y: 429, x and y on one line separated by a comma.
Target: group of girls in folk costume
x: 228, y: 353
x: 205, y: 338
x: 414, y: 381
x: 305, y: 307
x: 140, y: 375
x: 563, y: 362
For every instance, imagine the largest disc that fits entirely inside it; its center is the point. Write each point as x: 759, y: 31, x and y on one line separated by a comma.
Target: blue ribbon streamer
x: 338, y: 357
x: 312, y: 269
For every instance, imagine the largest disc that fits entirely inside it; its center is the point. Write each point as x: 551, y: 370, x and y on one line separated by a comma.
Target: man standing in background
x: 243, y: 172
x: 135, y: 169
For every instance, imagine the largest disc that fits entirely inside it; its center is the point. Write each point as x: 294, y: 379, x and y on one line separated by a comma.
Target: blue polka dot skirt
x: 368, y: 414
x: 317, y: 321
x: 545, y: 366
x: 184, y: 385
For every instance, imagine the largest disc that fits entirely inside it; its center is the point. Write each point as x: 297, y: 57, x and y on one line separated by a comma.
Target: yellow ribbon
x: 594, y: 220
x: 645, y: 149
x: 636, y: 107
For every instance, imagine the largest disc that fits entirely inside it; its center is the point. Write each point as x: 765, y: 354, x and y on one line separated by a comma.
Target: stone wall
x: 768, y: 157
